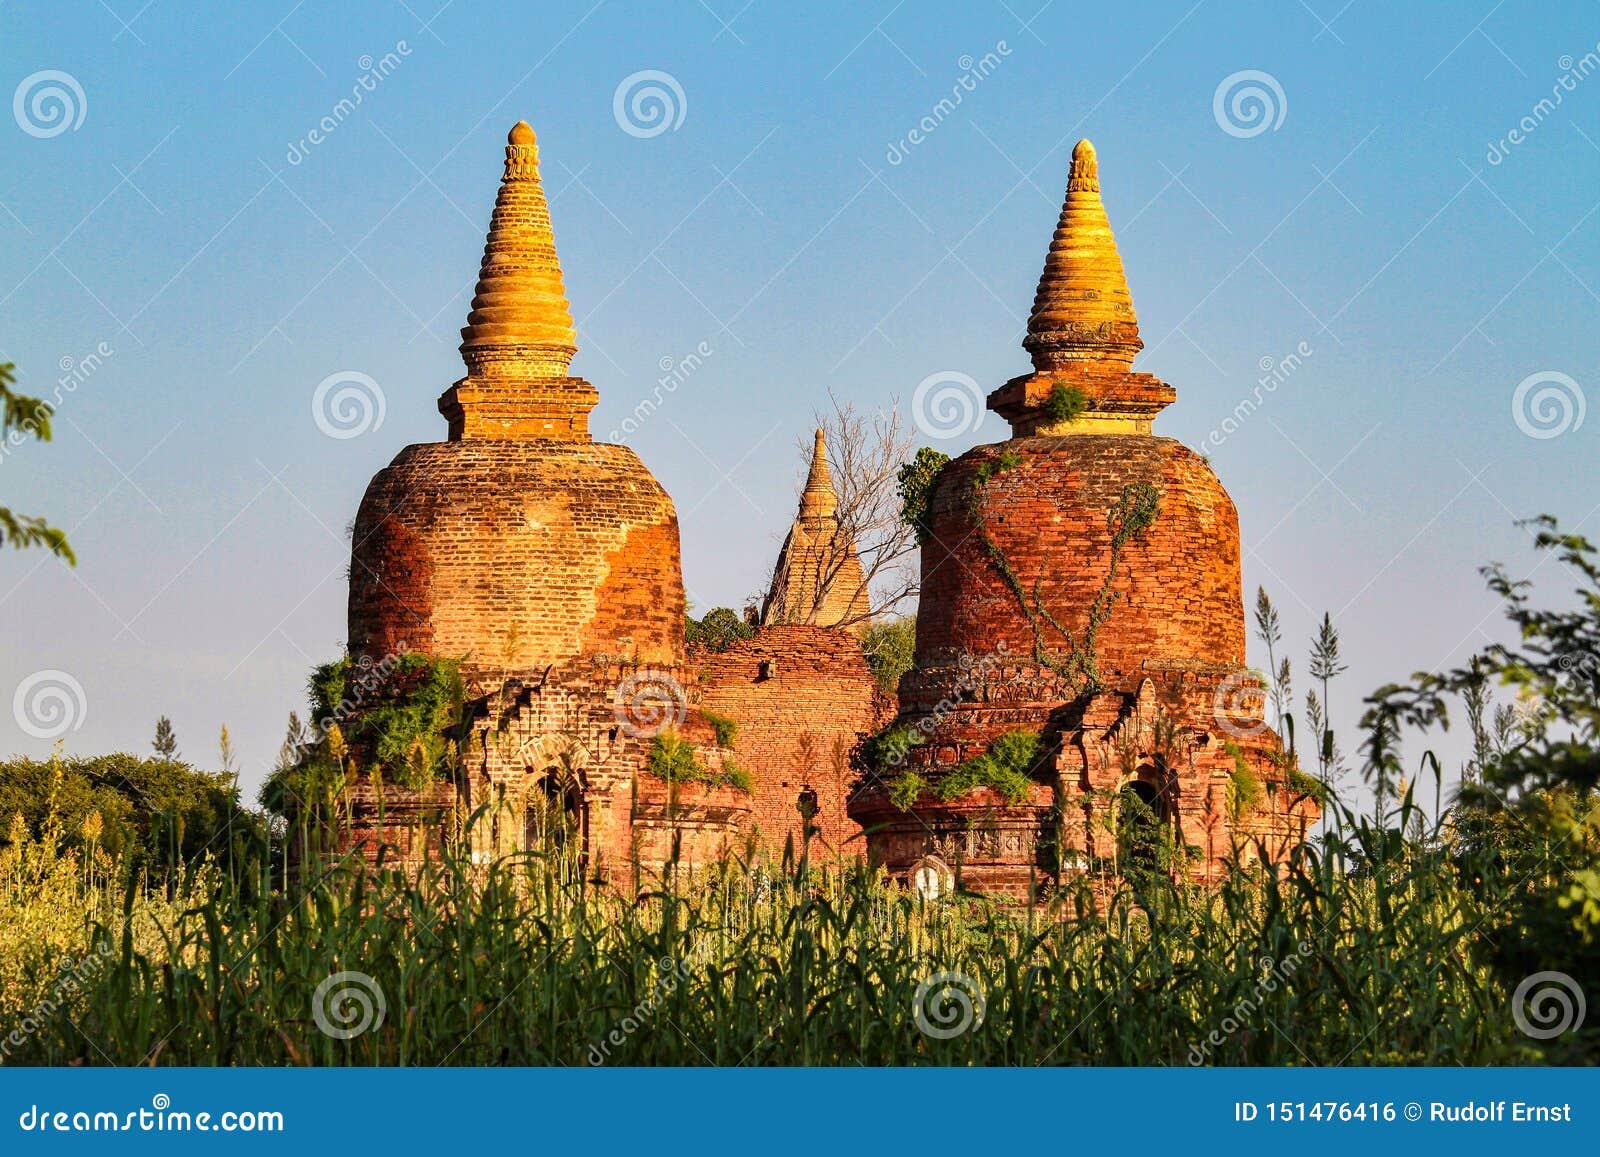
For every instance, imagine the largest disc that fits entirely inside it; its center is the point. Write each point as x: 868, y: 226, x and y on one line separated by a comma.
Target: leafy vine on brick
x: 1132, y: 514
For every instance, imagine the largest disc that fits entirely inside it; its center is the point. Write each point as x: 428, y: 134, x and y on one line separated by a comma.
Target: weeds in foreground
x: 522, y: 962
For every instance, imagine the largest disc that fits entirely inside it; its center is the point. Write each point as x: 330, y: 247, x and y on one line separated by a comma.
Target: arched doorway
x: 1144, y: 835
x: 556, y: 818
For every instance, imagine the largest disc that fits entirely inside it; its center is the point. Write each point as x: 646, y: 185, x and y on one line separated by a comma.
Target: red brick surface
x: 802, y: 696
x: 515, y: 556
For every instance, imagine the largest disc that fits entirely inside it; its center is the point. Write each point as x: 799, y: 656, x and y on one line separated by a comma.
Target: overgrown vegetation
x: 408, y: 721
x: 890, y: 646
x: 888, y: 748
x: 1065, y: 404
x: 1244, y: 786
x: 1134, y: 511
x: 402, y: 721
x: 1007, y: 767
x: 916, y: 481
x: 727, y: 730
x: 719, y: 629
x: 1395, y: 937
x: 672, y: 759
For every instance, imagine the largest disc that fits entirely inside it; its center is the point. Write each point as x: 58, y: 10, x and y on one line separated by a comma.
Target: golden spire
x: 520, y: 325
x: 1083, y: 310
x: 818, y: 500
x: 819, y: 579
x: 518, y: 342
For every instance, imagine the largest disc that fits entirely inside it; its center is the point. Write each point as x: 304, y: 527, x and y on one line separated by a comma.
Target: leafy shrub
x: 890, y: 646
x: 888, y: 748
x: 1244, y: 786
x: 1065, y: 403
x: 720, y: 629
x: 407, y: 720
x: 994, y: 467
x: 1006, y: 768
x: 672, y: 759
x: 906, y: 790
x: 727, y: 730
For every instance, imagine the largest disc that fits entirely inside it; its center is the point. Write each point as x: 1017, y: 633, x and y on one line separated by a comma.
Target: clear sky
x: 169, y: 226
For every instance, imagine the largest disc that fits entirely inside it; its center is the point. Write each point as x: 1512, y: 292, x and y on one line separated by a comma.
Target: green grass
x: 520, y: 962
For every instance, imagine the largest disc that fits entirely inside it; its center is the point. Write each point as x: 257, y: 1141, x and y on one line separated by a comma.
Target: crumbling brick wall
x: 801, y: 696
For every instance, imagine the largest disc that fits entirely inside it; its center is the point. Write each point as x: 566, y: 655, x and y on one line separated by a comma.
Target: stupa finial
x: 1085, y: 172
x: 520, y: 325
x: 519, y: 340
x: 819, y: 500
x: 1083, y: 311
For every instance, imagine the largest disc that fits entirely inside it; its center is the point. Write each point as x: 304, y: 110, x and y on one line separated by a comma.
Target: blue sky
x: 1367, y: 223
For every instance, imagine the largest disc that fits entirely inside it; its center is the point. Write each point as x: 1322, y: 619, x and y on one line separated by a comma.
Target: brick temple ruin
x: 1081, y: 581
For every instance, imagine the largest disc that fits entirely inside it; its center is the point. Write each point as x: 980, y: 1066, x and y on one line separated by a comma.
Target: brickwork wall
x: 1178, y: 584
x: 797, y: 725
x: 563, y: 729
x: 575, y: 544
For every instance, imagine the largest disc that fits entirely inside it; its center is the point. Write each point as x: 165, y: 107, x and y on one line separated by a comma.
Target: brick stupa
x: 818, y: 580
x: 549, y: 565
x: 1081, y: 581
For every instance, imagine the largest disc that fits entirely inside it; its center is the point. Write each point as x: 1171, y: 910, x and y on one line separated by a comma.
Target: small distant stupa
x: 818, y: 580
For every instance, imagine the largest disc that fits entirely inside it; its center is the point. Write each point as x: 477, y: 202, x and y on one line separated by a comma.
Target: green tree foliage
x: 916, y: 482
x: 1530, y: 804
x: 890, y: 646
x: 720, y: 629
x: 166, y: 740
x: 20, y: 416
x: 155, y: 814
x: 402, y: 720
